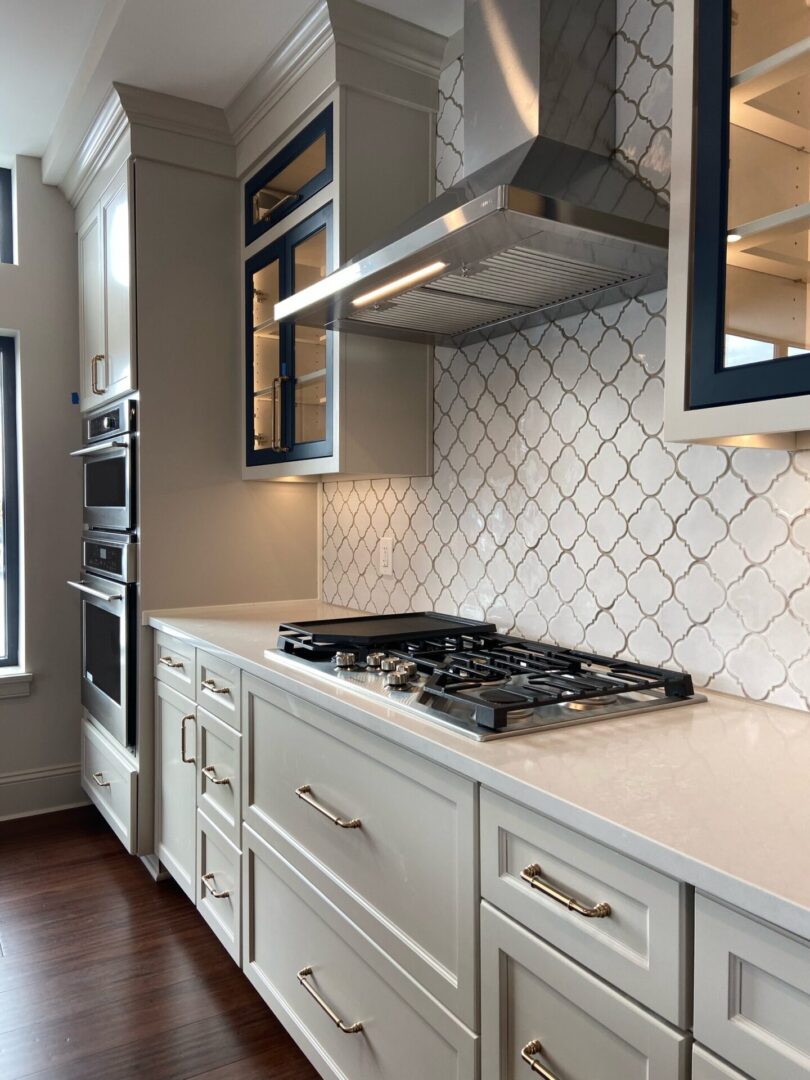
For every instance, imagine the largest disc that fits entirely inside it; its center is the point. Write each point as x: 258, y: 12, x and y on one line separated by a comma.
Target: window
x: 9, y: 509
x: 6, y: 223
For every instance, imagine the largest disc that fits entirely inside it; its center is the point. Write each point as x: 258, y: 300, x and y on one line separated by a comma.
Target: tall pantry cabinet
x: 157, y: 215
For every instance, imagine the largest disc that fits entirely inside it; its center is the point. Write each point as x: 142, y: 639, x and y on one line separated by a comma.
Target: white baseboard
x: 40, y: 791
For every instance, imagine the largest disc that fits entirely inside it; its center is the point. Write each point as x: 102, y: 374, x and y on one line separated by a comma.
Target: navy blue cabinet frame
x: 710, y: 383
x: 321, y: 125
x: 283, y: 251
x: 6, y: 220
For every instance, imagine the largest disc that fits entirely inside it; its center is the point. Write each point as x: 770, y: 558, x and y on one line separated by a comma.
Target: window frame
x: 11, y: 500
x: 6, y: 217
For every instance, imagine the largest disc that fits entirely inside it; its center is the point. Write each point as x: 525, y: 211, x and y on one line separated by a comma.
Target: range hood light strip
x: 400, y: 284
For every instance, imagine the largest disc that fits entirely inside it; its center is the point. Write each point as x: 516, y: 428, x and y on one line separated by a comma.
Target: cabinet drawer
x: 706, y: 1066
x: 538, y: 1004
x: 405, y: 1034
x: 219, y: 765
x: 174, y: 663
x: 640, y: 946
x: 217, y: 687
x: 405, y: 873
x: 111, y: 781
x: 752, y: 993
x: 219, y: 884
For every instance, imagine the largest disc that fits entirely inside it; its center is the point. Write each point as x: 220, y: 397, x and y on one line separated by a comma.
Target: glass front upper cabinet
x: 289, y: 368
x: 301, y: 169
x: 749, y: 326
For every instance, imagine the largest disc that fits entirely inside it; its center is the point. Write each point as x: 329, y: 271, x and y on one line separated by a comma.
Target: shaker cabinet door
x: 91, y: 312
x: 118, y: 369
x: 176, y: 785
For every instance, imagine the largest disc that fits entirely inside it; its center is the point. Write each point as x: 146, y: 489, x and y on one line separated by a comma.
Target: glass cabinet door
x: 289, y: 367
x: 264, y: 344
x: 751, y: 241
x: 302, y: 168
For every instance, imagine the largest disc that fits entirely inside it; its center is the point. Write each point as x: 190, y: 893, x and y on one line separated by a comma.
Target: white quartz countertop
x: 714, y: 794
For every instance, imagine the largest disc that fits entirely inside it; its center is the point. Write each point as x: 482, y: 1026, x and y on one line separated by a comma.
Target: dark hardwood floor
x: 105, y: 975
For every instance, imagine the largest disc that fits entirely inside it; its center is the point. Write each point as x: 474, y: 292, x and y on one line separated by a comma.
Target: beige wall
x: 39, y: 735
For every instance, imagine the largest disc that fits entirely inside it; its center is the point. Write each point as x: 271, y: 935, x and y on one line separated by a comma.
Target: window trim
x: 11, y: 499
x: 6, y: 217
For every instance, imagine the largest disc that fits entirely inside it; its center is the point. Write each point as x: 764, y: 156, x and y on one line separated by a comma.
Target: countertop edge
x: 745, y: 895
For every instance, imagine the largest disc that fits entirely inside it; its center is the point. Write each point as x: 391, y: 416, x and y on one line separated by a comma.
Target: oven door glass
x: 108, y: 654
x: 108, y: 488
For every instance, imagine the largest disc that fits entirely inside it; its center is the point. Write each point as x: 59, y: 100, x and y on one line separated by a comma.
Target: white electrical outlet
x: 386, y: 556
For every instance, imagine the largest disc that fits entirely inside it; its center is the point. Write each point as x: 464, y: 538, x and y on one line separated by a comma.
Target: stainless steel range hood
x: 546, y: 223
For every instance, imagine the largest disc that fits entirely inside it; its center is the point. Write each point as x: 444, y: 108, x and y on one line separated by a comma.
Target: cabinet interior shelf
x: 756, y: 103
x: 311, y: 376
x: 752, y: 252
x: 269, y: 329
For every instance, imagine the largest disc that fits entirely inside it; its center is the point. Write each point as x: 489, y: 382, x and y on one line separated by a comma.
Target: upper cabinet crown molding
x: 377, y: 33
x: 108, y: 128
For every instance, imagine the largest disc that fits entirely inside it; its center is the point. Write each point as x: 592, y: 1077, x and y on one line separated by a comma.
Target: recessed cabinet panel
x: 176, y: 785
x: 117, y: 285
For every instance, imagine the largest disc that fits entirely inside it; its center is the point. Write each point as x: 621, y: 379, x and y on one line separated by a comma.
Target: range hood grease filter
x: 548, y: 222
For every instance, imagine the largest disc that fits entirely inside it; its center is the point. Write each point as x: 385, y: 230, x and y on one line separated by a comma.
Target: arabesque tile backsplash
x: 556, y: 510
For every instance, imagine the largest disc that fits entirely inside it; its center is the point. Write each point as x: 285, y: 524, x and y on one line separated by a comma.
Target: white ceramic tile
x: 556, y: 509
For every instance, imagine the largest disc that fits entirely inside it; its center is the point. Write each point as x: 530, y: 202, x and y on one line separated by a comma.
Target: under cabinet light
x: 733, y: 238
x: 400, y: 284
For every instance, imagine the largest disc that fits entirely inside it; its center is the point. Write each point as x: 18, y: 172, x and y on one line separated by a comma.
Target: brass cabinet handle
x: 347, y: 1029
x: 211, y: 774
x: 183, y: 755
x: 99, y: 779
x: 169, y: 662
x: 97, y: 359
x: 207, y: 880
x: 528, y: 1054
x: 532, y: 875
x: 305, y: 793
x: 209, y: 684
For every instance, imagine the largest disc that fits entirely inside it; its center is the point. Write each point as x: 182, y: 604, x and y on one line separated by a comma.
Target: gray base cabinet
x: 357, y: 1015
x: 538, y: 1007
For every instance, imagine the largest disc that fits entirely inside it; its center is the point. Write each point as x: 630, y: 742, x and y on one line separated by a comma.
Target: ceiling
x: 65, y: 54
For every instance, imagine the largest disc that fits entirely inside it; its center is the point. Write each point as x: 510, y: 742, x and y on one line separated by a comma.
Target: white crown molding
x: 305, y: 43
x: 109, y: 126
x: 387, y: 37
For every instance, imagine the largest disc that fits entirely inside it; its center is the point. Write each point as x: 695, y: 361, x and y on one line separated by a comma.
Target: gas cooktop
x: 465, y: 675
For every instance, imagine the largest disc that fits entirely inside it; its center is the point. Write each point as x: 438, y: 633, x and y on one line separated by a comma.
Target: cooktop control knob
x: 344, y: 660
x: 374, y: 659
x: 408, y: 666
x: 389, y: 663
x: 397, y: 680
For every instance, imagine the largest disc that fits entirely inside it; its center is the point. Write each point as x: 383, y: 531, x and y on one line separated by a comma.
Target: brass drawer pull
x: 210, y: 773
x: 305, y: 793
x: 207, y: 880
x: 529, y: 1053
x: 209, y: 684
x: 183, y: 749
x: 99, y: 779
x: 169, y: 662
x: 347, y: 1029
x: 532, y: 875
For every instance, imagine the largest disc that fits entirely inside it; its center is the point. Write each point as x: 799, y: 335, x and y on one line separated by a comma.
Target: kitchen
x: 441, y: 394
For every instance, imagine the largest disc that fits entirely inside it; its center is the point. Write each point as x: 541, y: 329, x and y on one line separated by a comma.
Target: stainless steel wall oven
x: 108, y: 461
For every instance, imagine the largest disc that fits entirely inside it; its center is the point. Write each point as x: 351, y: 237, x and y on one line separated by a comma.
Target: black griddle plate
x: 369, y: 630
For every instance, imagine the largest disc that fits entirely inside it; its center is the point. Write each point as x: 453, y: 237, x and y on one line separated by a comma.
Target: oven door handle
x: 80, y: 585
x: 108, y: 444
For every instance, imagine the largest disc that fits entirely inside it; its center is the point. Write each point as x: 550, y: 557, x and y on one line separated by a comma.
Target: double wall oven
x: 108, y: 584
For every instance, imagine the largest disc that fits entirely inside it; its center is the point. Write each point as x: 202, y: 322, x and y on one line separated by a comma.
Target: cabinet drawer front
x: 217, y: 687
x: 706, y: 1066
x: 406, y: 873
x: 640, y: 946
x: 219, y: 765
x: 174, y: 663
x: 405, y: 1034
x: 176, y: 784
x: 752, y: 993
x: 111, y: 781
x: 581, y: 1028
x: 219, y: 884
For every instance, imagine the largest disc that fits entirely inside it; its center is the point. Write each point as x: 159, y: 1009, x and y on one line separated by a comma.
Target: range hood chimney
x: 547, y: 221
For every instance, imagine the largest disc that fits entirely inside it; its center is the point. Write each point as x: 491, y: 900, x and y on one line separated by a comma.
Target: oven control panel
x: 109, y: 560
x: 114, y: 420
x: 111, y: 556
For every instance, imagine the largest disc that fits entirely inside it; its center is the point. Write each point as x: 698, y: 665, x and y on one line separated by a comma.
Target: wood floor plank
x: 105, y: 974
